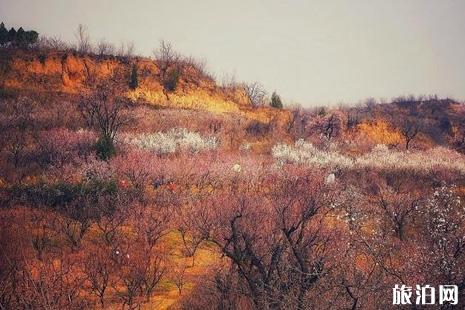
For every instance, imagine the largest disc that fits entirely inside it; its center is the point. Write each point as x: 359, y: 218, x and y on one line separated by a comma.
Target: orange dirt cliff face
x: 74, y: 74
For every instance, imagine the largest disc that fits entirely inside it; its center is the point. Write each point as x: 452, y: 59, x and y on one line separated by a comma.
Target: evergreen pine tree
x: 12, y: 35
x: 3, y: 34
x: 20, y: 37
x: 276, y: 101
x: 133, y: 80
x: 31, y: 36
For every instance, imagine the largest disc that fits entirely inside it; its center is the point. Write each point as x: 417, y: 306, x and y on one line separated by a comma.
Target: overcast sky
x: 311, y: 52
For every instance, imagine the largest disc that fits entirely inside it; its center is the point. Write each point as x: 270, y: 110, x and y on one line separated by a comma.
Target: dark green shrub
x: 7, y: 93
x: 31, y: 36
x: 42, y: 58
x: 172, y: 79
x: 322, y: 111
x: 62, y: 194
x: 257, y: 128
x: 50, y: 195
x: 105, y: 148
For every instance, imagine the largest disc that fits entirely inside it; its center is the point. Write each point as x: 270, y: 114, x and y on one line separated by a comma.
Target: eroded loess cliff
x: 70, y: 73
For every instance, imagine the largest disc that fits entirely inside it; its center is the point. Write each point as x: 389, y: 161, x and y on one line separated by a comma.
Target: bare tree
x: 152, y: 225
x: 152, y: 275
x: 105, y: 48
x: 196, y: 69
x: 409, y: 129
x: 169, y: 65
x: 51, y: 285
x: 126, y: 49
x: 331, y: 126
x: 398, y: 210
x: 443, y: 216
x: 104, y: 111
x: 195, y: 226
x: 166, y: 56
x: 42, y: 233
x: 140, y: 273
x: 52, y: 43
x: 255, y: 93
x: 20, y: 127
x: 84, y: 45
x: 110, y: 226
x: 78, y: 216
x: 370, y: 106
x: 98, y: 269
x: 228, y: 80
x: 191, y: 242
x: 299, y: 122
x: 179, y: 277
x: 280, y: 260
x: 353, y: 117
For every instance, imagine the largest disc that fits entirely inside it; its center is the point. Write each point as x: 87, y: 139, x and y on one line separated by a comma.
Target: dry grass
x: 167, y: 295
x: 380, y: 132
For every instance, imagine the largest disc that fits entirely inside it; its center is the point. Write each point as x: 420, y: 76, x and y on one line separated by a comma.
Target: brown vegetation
x: 188, y: 206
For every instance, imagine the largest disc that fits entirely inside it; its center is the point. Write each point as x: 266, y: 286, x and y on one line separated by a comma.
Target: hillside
x: 68, y: 74
x: 124, y: 192
x: 74, y: 74
x: 132, y: 177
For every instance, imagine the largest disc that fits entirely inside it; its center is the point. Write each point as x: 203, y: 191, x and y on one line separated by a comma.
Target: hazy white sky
x: 311, y: 52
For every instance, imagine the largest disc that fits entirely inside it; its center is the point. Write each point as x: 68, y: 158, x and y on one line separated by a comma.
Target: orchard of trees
x: 105, y: 210
x: 107, y: 203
